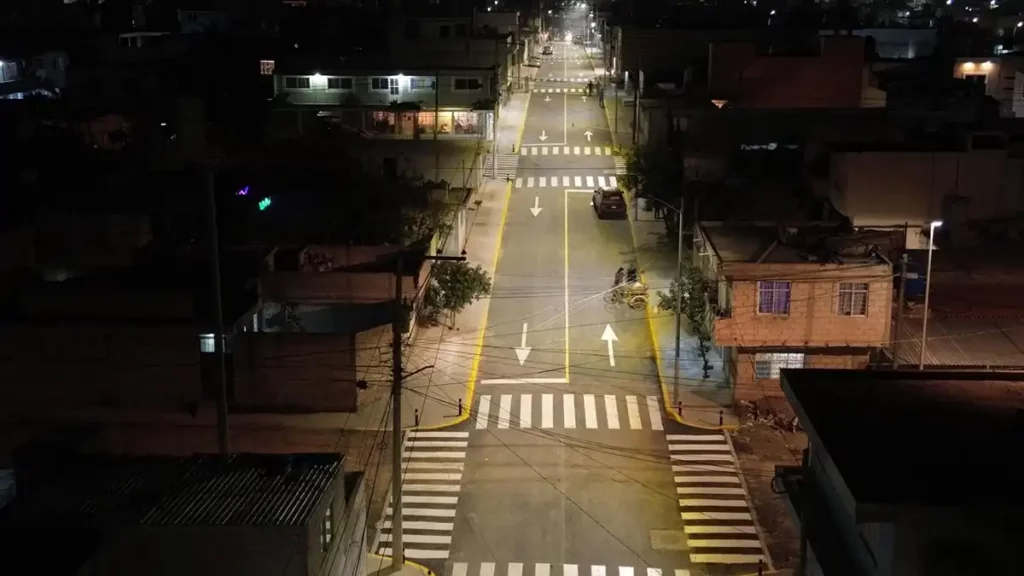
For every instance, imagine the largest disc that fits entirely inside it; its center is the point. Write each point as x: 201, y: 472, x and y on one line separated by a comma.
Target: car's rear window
x: 613, y: 195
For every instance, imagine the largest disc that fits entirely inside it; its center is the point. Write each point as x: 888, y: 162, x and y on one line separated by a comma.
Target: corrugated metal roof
x: 974, y: 342
x: 244, y: 489
x: 248, y: 489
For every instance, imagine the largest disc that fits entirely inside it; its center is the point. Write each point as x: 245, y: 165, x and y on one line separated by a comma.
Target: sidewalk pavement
x: 693, y: 400
x: 383, y: 566
x: 614, y: 105
x: 443, y: 361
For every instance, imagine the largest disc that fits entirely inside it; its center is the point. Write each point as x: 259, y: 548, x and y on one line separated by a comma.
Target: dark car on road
x: 609, y: 202
x: 547, y: 51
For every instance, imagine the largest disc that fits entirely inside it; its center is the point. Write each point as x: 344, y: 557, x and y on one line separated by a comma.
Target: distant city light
x: 975, y: 19
x: 264, y: 203
x: 243, y: 192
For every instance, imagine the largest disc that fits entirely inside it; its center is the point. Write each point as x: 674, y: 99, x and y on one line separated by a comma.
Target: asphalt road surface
x: 567, y: 465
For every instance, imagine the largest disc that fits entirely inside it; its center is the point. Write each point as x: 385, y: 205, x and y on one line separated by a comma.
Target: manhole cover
x: 668, y: 540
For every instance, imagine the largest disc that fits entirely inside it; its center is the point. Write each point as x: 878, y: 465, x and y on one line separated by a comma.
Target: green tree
x: 696, y: 305
x: 656, y: 172
x: 453, y: 286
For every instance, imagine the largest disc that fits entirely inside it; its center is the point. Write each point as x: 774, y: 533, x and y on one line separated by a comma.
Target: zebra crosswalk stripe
x: 555, y: 181
x: 506, y: 411
x: 546, y: 569
x: 431, y: 478
x: 536, y: 149
x: 713, y: 502
x: 508, y: 164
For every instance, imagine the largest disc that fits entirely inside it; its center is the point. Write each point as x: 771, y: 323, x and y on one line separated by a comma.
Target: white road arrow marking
x: 581, y: 74
x: 547, y: 98
x: 550, y: 74
x: 584, y: 98
x: 608, y: 336
x: 536, y: 208
x: 543, y: 135
x: 588, y: 134
x: 523, y: 350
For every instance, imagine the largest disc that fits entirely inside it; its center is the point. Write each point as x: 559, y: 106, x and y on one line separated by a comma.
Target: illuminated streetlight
x: 927, y: 288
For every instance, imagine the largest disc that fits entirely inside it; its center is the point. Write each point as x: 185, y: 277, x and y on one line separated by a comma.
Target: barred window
x: 768, y: 365
x: 773, y: 297
x: 853, y: 299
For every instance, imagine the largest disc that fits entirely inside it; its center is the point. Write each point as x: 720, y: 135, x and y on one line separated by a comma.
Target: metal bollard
x: 460, y: 406
x: 416, y: 416
x: 679, y: 408
x: 719, y: 417
x: 760, y: 567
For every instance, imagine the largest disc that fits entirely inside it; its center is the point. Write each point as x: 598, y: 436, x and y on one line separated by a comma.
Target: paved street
x: 568, y: 464
x: 568, y: 468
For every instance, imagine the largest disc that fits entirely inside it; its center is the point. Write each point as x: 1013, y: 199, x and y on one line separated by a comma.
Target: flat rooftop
x: 917, y: 438
x: 757, y: 242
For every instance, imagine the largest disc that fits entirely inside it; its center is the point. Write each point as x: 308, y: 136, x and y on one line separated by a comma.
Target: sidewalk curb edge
x: 665, y: 396
x: 474, y: 368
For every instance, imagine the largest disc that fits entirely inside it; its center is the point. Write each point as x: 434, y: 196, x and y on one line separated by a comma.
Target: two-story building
x: 975, y: 177
x: 794, y: 298
x: 396, y: 103
x: 906, y: 472
x: 831, y: 75
x: 1001, y: 77
x: 259, y: 514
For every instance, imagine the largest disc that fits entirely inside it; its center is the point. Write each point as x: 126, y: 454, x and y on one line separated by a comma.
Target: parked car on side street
x: 547, y: 51
x: 609, y: 201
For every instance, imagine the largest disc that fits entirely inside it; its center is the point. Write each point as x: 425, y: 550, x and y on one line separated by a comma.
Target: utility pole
x: 437, y: 127
x: 679, y: 289
x: 901, y: 300
x: 223, y: 445
x: 397, y: 331
x: 397, y: 552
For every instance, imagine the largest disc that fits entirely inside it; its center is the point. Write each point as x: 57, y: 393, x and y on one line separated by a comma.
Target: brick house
x: 791, y: 298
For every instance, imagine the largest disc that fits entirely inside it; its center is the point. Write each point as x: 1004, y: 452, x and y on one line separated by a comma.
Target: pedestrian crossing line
x: 558, y: 90
x: 431, y: 481
x: 538, y: 150
x: 620, y: 166
x: 507, y: 165
x: 713, y: 504
x: 698, y: 516
x: 566, y: 181
x: 547, y: 569
x: 511, y: 411
x: 562, y: 79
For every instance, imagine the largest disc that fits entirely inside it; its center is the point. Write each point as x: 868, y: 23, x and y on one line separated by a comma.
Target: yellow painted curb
x: 665, y: 395
x: 474, y: 369
x: 610, y: 121
x: 426, y: 571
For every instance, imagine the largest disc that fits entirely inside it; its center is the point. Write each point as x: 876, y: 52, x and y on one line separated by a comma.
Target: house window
x: 421, y: 83
x: 339, y: 83
x: 327, y: 528
x: 466, y: 84
x: 773, y: 297
x: 445, y: 31
x: 296, y: 83
x: 385, y: 84
x: 207, y: 343
x: 266, y: 67
x: 767, y: 366
x: 853, y: 299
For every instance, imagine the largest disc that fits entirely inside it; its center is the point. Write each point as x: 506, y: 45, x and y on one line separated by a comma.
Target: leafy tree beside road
x: 656, y: 172
x: 453, y: 286
x: 697, y: 305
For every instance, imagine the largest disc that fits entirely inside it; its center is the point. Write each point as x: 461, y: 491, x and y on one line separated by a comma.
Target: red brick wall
x: 289, y: 372
x: 812, y: 319
x: 60, y: 366
x: 750, y: 389
x: 832, y: 80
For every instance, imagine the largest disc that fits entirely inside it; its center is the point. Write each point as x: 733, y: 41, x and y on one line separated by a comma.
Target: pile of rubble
x: 775, y: 419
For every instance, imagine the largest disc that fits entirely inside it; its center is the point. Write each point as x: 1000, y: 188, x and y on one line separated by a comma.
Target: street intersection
x: 568, y: 465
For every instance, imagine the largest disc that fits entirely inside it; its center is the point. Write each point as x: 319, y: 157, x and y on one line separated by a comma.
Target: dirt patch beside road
x: 760, y: 447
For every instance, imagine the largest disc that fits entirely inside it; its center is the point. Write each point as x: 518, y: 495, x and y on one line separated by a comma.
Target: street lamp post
x: 927, y: 289
x: 679, y: 286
